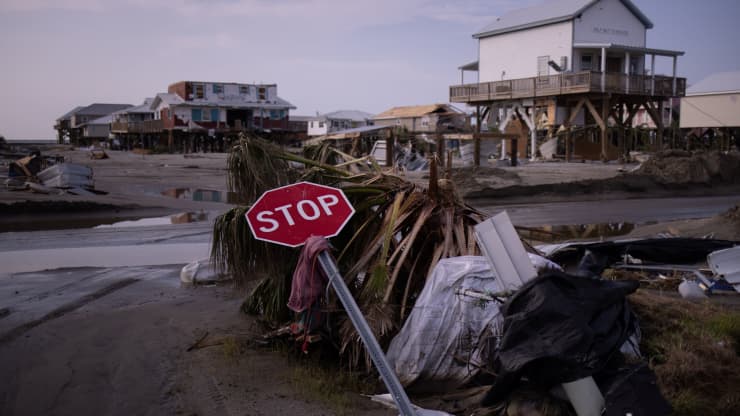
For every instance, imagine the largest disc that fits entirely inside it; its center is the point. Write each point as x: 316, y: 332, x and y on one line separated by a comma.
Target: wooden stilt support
x: 441, y: 149
x: 390, y: 143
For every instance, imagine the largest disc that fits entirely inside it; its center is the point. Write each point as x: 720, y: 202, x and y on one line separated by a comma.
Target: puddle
x: 557, y: 233
x: 203, y: 195
x: 182, y: 218
x: 23, y: 261
x: 46, y: 223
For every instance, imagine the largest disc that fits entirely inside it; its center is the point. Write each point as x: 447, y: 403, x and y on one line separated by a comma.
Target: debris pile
x: 675, y: 167
x: 508, y: 319
x: 49, y: 175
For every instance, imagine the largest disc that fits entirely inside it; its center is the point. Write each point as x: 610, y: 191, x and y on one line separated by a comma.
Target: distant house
x: 424, y: 118
x: 299, y: 124
x: 72, y: 125
x: 219, y: 106
x: 578, y: 61
x: 337, y: 121
x: 713, y: 102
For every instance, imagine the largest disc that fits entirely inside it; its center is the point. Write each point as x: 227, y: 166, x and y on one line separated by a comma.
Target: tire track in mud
x: 65, y: 309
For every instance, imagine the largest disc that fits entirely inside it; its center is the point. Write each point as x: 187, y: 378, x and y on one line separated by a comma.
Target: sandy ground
x: 114, y: 340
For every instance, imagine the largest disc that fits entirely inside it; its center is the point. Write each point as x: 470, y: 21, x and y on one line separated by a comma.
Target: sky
x: 324, y: 55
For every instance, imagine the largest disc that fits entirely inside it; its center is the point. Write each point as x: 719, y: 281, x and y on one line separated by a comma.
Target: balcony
x: 147, y: 126
x: 569, y: 83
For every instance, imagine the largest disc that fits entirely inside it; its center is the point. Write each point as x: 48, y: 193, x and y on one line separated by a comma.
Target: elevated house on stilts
x: 566, y: 65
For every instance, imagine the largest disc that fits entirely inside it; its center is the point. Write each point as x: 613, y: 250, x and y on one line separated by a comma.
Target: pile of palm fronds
x: 385, y: 252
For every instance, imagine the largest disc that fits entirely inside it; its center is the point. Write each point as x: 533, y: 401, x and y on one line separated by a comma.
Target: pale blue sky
x: 324, y: 55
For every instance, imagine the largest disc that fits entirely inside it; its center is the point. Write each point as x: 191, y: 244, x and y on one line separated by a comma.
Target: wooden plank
x: 595, y: 114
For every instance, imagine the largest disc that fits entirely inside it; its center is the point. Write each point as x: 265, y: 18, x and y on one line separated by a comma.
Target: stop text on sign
x: 290, y: 214
x: 305, y: 208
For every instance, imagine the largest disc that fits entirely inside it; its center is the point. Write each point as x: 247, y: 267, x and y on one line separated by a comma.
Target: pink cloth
x: 309, y: 280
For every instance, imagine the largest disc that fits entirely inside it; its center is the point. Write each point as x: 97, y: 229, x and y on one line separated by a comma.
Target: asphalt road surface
x: 637, y: 211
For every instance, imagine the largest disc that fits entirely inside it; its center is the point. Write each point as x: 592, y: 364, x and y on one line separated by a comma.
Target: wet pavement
x: 636, y: 211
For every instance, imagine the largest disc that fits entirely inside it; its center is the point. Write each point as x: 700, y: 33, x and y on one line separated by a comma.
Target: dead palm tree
x: 387, y: 250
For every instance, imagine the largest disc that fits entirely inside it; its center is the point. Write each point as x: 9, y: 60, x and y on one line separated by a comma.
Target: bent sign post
x: 288, y: 216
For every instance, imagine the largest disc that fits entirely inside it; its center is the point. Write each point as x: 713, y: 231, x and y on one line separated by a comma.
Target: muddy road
x: 637, y: 211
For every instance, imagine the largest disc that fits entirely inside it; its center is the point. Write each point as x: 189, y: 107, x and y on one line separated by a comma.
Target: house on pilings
x: 562, y: 67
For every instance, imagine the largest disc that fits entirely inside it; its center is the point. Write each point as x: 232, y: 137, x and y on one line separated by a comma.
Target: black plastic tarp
x: 560, y: 328
x: 676, y: 250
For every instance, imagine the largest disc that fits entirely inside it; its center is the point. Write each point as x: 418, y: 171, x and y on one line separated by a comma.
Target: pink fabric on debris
x: 309, y: 280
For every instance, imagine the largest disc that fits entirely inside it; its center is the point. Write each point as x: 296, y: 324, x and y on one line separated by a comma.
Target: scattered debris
x: 67, y: 175
x: 445, y: 340
x: 682, y: 167
x: 202, y: 272
x: 98, y: 154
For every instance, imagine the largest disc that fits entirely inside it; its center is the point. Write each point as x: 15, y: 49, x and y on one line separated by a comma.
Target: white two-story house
x: 577, y: 61
x: 324, y: 124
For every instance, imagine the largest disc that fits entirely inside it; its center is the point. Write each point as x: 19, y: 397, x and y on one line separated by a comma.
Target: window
x: 425, y: 122
x: 244, y: 89
x: 198, y: 90
x: 214, y: 114
x: 321, y: 124
x: 587, y: 62
x: 196, y: 114
x: 262, y: 93
x: 206, y: 115
x: 543, y: 68
x: 218, y: 88
x: 275, y: 114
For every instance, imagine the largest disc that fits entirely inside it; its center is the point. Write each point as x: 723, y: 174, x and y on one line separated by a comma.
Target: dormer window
x: 262, y: 93
x: 244, y: 89
x: 218, y: 88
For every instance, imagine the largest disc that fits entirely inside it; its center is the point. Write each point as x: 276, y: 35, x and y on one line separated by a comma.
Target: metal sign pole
x: 358, y: 320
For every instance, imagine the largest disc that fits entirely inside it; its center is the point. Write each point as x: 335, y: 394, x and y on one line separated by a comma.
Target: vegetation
x: 693, y: 349
x: 397, y: 235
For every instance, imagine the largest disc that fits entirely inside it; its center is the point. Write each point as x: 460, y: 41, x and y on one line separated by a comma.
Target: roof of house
x: 68, y: 115
x: 141, y: 108
x: 554, y: 11
x: 416, y: 111
x: 100, y: 120
x: 102, y: 109
x: 353, y: 115
x: 168, y: 98
x: 292, y: 117
x: 720, y: 82
x: 234, y: 102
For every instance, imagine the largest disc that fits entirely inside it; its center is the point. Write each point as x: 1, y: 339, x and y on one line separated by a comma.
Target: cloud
x: 185, y: 42
x: 37, y: 5
x: 337, y: 13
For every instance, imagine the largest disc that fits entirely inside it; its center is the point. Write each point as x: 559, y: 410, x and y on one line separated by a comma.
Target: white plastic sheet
x: 444, y: 338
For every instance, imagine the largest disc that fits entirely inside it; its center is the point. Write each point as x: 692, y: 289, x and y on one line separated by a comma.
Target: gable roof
x: 720, y: 82
x: 416, y: 111
x: 554, y: 11
x: 353, y: 115
x: 101, y: 109
x: 68, y: 115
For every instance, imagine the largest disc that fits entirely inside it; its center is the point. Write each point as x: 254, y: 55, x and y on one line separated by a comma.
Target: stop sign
x: 290, y: 214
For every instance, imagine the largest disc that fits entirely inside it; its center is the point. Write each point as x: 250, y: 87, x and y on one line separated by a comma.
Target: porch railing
x: 146, y: 126
x: 568, y: 83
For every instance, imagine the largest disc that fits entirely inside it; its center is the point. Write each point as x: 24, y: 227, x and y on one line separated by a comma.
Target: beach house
x: 569, y: 63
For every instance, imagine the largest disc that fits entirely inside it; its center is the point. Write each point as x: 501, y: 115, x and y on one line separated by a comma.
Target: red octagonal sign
x: 290, y: 214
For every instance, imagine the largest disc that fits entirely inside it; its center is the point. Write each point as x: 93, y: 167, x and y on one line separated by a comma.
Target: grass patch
x: 332, y: 386
x: 693, y: 349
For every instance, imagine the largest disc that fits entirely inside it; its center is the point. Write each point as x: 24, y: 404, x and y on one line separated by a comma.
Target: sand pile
x: 733, y: 214
x: 682, y: 167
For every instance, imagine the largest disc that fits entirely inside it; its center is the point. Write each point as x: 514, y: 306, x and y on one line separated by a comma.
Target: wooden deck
x: 571, y: 83
x: 148, y: 126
